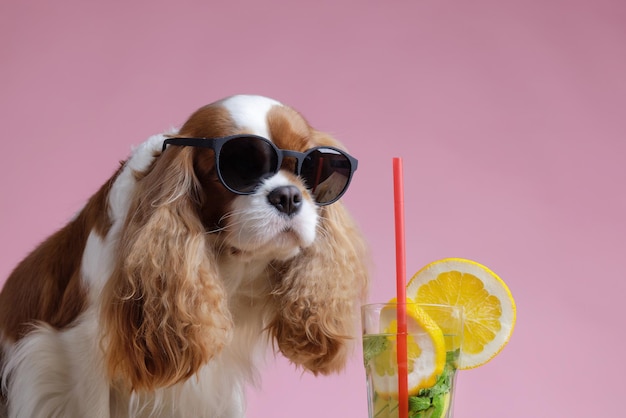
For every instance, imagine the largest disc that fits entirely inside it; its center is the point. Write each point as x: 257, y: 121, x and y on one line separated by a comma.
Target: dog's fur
x: 161, y: 295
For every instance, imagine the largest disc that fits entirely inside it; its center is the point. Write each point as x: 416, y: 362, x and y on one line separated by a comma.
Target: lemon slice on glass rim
x: 488, y: 306
x: 426, y: 352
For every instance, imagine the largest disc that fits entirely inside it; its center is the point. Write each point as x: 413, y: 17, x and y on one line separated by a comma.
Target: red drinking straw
x: 398, y: 191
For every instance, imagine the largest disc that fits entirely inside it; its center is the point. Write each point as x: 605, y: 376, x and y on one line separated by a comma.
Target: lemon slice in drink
x: 426, y: 352
x: 488, y: 306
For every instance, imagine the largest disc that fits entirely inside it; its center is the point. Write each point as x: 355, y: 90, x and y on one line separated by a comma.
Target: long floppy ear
x: 319, y: 293
x: 164, y: 308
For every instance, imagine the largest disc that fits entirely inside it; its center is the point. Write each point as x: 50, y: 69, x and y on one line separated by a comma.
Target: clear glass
x: 429, y: 399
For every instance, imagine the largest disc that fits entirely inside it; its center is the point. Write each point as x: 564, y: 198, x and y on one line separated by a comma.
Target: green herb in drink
x: 373, y: 346
x: 432, y: 402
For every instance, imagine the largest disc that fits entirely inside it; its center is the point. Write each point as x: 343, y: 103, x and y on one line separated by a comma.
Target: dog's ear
x: 164, y: 308
x: 319, y: 293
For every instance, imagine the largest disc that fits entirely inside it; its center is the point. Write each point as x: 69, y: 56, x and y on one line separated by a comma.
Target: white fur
x: 250, y: 112
x: 61, y: 374
x: 121, y: 191
x: 258, y: 224
x: 55, y: 374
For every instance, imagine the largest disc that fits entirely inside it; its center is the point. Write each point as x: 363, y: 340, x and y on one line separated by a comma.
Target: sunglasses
x: 244, y: 161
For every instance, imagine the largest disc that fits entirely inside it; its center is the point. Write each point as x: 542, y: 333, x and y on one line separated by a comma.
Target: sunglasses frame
x: 216, y: 145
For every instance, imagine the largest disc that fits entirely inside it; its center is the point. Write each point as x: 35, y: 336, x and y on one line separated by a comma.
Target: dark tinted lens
x: 326, y: 172
x: 245, y: 162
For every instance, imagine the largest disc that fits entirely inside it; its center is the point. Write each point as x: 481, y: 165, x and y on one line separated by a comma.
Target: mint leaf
x: 452, y: 357
x: 418, y: 403
x: 431, y: 402
x: 444, y: 381
x: 439, y: 403
x: 373, y: 346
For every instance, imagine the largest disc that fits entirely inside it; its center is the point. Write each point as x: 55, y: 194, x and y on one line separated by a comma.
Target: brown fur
x: 318, y: 294
x: 46, y: 286
x: 164, y: 307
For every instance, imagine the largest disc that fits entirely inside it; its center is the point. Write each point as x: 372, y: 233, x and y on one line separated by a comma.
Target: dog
x: 209, y: 246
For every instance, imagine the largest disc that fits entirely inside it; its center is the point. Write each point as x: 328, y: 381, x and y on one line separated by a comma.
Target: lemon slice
x: 426, y: 352
x: 489, y: 308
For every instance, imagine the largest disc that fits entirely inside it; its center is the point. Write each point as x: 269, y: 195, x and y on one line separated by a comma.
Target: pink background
x: 510, y: 117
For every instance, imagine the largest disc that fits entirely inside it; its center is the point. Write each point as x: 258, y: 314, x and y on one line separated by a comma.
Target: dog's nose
x: 286, y: 199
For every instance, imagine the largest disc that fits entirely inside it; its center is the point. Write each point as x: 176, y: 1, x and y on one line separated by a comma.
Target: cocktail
x: 433, y: 342
x: 459, y: 315
x: 453, y: 314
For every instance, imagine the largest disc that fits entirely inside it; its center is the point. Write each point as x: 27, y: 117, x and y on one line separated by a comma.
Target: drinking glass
x: 433, y: 399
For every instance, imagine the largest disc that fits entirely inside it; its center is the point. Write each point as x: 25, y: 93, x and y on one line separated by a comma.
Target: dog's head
x: 262, y: 173
x: 245, y: 178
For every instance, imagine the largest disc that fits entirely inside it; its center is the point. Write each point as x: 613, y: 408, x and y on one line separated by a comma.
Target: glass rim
x: 439, y: 305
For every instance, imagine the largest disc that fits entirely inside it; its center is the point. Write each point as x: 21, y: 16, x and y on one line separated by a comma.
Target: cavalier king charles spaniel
x: 207, y: 246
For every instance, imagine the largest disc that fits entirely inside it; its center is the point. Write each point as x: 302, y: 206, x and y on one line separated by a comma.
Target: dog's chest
x: 247, y: 279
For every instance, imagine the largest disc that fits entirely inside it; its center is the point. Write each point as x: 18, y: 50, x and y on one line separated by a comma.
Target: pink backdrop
x: 510, y: 117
